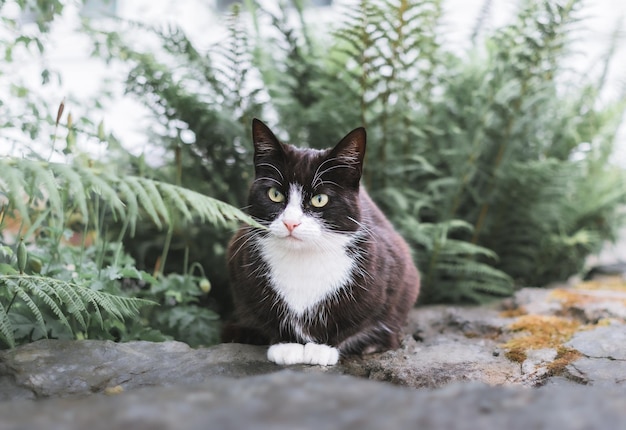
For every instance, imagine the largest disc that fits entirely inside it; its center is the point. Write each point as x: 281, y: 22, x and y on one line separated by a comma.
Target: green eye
x: 319, y: 200
x: 275, y: 195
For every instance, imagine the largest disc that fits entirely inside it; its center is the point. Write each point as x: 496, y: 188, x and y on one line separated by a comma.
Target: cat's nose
x: 291, y: 225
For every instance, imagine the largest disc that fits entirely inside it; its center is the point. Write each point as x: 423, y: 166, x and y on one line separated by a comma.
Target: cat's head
x: 306, y: 196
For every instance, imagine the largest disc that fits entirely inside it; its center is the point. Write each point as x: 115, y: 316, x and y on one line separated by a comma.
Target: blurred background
x: 496, y: 144
x: 83, y: 77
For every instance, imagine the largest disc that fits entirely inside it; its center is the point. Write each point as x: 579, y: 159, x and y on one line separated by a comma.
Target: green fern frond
x: 453, y: 269
x: 45, y: 179
x: 455, y: 248
x: 101, y: 185
x: 73, y: 303
x: 190, y: 204
x: 154, y: 192
x: 14, y: 186
x: 174, y: 199
x: 64, y: 299
x: 128, y: 196
x: 151, y: 208
x: 21, y: 289
x: 75, y: 187
x: 6, y: 329
x: 132, y: 205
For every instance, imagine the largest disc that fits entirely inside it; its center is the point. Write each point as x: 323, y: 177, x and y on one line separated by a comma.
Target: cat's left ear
x: 351, y: 149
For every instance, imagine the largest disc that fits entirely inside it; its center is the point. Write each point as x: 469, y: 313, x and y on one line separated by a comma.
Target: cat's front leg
x: 296, y: 353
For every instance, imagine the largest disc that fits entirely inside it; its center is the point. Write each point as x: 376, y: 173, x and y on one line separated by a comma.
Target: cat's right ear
x: 265, y: 143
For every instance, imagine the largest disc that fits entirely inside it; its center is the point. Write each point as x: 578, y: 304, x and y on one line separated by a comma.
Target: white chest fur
x: 303, y: 277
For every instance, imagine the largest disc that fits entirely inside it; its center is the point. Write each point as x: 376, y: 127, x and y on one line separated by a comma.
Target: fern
x: 388, y: 47
x: 65, y: 300
x: 6, y: 328
x: 212, y: 96
x: 128, y: 197
x: 44, y: 193
x: 454, y: 270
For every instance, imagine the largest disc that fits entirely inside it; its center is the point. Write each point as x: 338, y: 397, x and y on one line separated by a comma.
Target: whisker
x: 273, y: 167
x: 267, y: 178
x: 364, y: 228
x: 322, y: 182
x: 251, y: 234
x: 318, y: 174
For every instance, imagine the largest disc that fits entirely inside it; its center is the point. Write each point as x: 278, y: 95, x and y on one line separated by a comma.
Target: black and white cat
x: 329, y: 276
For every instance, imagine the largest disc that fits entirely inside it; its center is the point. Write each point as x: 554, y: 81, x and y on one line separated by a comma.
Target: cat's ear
x: 265, y: 143
x: 351, y: 149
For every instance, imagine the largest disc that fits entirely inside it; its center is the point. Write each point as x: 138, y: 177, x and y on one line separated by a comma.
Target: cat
x: 329, y: 276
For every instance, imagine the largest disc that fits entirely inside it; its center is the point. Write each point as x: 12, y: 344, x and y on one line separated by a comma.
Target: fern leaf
x: 32, y: 306
x: 14, y: 186
x: 41, y: 290
x: 6, y: 330
x: 102, y: 186
x: 173, y: 196
x: 120, y: 307
x: 65, y: 293
x: 457, y: 248
x: 132, y: 205
x: 144, y: 199
x: 64, y: 299
x: 128, y: 196
x: 103, y: 301
x: 44, y: 179
x: 154, y: 194
x: 74, y: 185
x: 206, y: 208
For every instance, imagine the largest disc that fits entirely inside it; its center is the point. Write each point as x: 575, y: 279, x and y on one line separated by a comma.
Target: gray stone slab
x: 599, y: 371
x: 602, y: 342
x: 290, y: 400
x: 51, y: 368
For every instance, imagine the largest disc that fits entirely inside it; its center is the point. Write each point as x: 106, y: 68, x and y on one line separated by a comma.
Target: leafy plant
x: 65, y: 226
x: 182, y: 315
x: 73, y: 305
x: 69, y: 291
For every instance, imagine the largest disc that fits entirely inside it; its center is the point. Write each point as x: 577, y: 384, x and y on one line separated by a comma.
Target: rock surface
x: 51, y: 368
x: 462, y: 359
x: 295, y: 400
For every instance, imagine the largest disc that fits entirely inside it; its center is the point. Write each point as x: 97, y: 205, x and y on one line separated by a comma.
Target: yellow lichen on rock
x: 580, y: 296
x: 614, y: 283
x: 538, y: 332
x: 514, y: 312
x: 570, y: 297
x: 563, y: 358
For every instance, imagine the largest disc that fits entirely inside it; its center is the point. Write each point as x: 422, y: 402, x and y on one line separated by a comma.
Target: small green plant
x: 182, y: 315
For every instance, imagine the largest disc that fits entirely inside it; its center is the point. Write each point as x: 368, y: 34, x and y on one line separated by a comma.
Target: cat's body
x: 330, y: 275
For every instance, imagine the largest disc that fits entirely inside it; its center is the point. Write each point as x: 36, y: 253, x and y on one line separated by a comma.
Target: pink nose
x: 291, y: 225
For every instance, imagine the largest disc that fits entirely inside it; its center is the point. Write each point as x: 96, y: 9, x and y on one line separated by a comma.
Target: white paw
x: 322, y: 355
x: 286, y: 353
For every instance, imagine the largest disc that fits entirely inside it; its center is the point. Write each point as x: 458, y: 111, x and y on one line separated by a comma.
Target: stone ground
x: 547, y: 358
